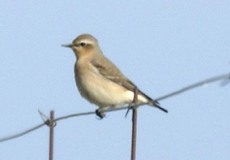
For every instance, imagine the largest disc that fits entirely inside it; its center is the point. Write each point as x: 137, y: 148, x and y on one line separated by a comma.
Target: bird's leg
x: 99, y: 112
x: 129, y: 107
x: 134, y: 102
x: 135, y: 95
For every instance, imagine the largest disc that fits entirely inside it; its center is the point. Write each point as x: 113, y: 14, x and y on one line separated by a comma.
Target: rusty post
x: 51, y: 136
x: 134, y: 126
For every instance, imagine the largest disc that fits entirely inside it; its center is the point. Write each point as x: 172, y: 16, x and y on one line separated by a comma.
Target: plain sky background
x: 160, y: 45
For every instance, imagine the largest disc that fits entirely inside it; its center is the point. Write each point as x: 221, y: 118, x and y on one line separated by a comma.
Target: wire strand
x: 187, y: 88
x: 22, y: 133
x: 195, y: 85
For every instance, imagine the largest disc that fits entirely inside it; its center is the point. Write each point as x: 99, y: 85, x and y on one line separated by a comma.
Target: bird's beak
x: 67, y: 45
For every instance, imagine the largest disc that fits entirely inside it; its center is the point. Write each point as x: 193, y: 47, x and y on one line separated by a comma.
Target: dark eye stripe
x: 83, y: 44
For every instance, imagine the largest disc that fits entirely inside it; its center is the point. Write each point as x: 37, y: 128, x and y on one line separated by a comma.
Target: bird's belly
x: 101, y: 91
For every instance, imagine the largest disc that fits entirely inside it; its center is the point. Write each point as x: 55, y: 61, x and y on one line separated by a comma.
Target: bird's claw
x: 131, y: 106
x: 100, y: 114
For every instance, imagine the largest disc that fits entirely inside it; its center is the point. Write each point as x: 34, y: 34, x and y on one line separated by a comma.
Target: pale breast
x: 99, y: 90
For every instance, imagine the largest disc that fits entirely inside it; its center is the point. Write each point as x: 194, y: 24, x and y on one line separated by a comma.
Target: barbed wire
x: 22, y: 133
x: 224, y: 77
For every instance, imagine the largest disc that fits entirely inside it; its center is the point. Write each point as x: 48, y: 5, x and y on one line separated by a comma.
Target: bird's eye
x: 83, y: 44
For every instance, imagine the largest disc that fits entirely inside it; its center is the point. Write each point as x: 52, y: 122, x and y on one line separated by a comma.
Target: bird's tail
x: 157, y: 105
x: 154, y: 103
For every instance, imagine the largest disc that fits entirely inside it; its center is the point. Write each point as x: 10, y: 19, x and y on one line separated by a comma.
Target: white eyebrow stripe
x: 87, y: 41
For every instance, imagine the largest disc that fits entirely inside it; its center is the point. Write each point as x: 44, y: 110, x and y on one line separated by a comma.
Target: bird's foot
x: 131, y: 106
x: 100, y: 113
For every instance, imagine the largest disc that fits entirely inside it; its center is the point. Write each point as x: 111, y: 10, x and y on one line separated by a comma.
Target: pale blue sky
x: 160, y: 45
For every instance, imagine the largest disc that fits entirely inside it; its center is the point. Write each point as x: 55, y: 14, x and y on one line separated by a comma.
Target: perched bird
x: 100, y: 81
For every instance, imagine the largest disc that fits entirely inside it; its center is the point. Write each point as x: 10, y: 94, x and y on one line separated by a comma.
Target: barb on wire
x: 44, y: 118
x: 224, y: 77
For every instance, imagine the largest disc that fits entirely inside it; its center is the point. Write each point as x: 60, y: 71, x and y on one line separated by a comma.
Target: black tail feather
x: 157, y: 105
x: 153, y: 102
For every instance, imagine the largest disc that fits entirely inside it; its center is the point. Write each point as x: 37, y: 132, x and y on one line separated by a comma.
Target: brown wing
x: 108, y: 70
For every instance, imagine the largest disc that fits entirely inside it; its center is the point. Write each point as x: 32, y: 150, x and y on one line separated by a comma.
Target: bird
x: 100, y: 81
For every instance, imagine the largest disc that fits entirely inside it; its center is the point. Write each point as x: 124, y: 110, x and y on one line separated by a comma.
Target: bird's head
x: 83, y: 45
